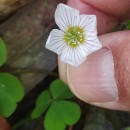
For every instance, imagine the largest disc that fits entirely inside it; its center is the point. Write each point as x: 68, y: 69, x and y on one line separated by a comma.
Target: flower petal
x: 91, y: 44
x: 66, y: 17
x: 55, y: 41
x: 74, y: 56
x: 88, y: 23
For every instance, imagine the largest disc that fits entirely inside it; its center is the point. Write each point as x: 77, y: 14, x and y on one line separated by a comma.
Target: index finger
x: 105, y: 21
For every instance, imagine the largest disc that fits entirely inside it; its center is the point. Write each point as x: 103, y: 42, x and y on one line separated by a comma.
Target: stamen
x: 74, y: 36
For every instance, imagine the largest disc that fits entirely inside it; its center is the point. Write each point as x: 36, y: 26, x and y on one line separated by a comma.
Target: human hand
x: 104, y: 78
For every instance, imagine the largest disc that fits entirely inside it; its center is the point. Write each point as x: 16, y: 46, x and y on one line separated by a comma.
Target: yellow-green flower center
x: 74, y: 36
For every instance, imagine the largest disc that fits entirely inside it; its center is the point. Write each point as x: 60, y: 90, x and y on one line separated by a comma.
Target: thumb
x: 103, y: 79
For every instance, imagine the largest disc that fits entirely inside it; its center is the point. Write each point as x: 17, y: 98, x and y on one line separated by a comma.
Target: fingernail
x: 94, y: 81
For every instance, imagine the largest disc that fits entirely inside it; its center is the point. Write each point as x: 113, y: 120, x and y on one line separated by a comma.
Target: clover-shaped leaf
x: 11, y: 92
x: 52, y: 120
x: 59, y: 90
x: 42, y: 103
x: 60, y: 114
x: 61, y: 111
x: 3, y: 54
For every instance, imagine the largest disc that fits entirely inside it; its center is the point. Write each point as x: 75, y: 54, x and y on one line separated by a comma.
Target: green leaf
x: 7, y: 105
x: 53, y: 119
x: 69, y: 111
x: 128, y: 128
x: 3, y: 55
x: 11, y: 92
x: 128, y: 25
x: 42, y: 103
x: 60, y: 114
x: 59, y: 90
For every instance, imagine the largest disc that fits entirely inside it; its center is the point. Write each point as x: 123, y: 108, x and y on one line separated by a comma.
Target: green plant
x: 128, y: 25
x: 3, y: 54
x: 128, y: 128
x: 61, y: 111
x: 11, y: 89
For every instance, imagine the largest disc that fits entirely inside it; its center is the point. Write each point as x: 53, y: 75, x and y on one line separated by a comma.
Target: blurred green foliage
x: 128, y: 25
x: 128, y: 128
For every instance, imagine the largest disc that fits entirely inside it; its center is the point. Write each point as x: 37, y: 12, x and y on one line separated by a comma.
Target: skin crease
x: 109, y: 14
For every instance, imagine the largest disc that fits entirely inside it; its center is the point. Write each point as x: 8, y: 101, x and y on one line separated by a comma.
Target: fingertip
x: 93, y: 80
x: 112, y: 105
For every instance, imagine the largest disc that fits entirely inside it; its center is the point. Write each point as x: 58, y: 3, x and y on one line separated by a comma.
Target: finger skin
x: 105, y: 24
x: 105, y: 21
x: 118, y: 42
x: 122, y: 70
x: 112, y: 7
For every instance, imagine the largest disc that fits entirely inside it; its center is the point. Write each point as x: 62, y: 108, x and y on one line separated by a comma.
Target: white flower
x: 77, y: 37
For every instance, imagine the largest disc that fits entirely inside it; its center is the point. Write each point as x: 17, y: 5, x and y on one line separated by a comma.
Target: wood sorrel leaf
x: 60, y: 114
x: 11, y: 92
x: 42, y: 103
x: 3, y: 55
x: 60, y: 90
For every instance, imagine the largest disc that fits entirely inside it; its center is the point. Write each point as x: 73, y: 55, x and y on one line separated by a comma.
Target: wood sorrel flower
x: 77, y: 37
